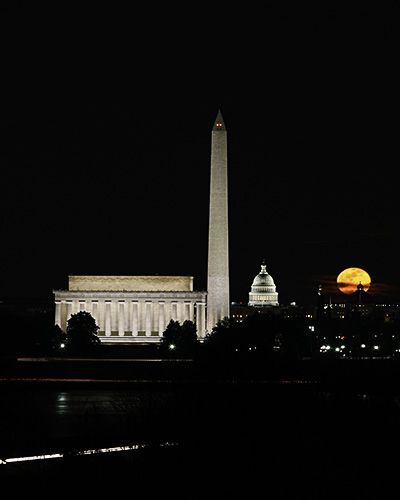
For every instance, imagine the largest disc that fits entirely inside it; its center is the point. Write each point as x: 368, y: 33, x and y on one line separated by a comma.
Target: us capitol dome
x: 263, y: 290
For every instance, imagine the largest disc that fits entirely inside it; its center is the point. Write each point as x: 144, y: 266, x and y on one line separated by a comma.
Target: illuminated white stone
x: 218, y: 251
x: 263, y: 290
x: 138, y: 308
x: 126, y: 316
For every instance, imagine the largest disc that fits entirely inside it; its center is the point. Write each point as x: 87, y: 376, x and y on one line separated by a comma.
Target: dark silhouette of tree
x: 223, y: 339
x: 178, y: 340
x: 26, y: 333
x: 259, y: 337
x: 258, y: 332
x: 53, y: 340
x: 296, y: 340
x: 82, y: 333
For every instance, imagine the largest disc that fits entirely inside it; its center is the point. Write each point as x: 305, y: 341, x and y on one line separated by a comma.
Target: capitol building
x: 137, y: 309
x: 263, y: 290
x: 263, y: 298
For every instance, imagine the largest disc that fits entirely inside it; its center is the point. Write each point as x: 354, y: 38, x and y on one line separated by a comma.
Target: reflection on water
x: 271, y: 416
x: 39, y: 415
x: 281, y: 437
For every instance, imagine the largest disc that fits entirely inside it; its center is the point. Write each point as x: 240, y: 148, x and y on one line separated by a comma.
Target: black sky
x: 105, y: 126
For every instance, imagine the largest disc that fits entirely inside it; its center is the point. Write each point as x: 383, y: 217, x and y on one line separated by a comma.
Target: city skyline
x: 106, y: 125
x: 102, y: 177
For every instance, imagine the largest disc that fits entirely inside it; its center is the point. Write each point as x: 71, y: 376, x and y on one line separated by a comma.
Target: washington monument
x: 218, y: 251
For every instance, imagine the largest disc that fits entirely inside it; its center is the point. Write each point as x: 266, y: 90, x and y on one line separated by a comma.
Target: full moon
x: 350, y: 278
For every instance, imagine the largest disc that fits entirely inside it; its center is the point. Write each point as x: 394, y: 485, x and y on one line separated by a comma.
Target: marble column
x: 148, y: 318
x: 201, y: 319
x: 82, y: 305
x: 58, y: 313
x: 174, y: 310
x: 180, y: 311
x: 69, y: 310
x: 134, y: 318
x: 101, y: 312
x: 121, y: 318
x: 75, y: 306
x: 186, y: 314
x: 161, y: 318
x: 95, y: 311
x: 108, y: 318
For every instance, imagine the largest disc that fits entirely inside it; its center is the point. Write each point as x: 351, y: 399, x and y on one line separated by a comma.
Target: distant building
x: 360, y: 303
x: 263, y: 290
x: 132, y: 309
x: 263, y: 299
x: 137, y: 308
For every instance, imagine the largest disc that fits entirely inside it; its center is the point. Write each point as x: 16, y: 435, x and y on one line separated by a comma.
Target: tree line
x: 257, y: 336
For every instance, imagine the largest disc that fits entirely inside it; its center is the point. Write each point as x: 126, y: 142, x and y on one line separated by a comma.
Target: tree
x: 82, y: 333
x: 223, y: 339
x: 179, y: 339
x: 52, y: 340
x: 258, y: 337
x: 258, y: 332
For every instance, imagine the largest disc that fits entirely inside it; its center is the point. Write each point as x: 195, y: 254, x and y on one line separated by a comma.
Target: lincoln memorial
x: 132, y: 309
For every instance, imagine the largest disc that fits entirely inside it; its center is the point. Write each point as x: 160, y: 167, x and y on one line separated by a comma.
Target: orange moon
x: 350, y: 278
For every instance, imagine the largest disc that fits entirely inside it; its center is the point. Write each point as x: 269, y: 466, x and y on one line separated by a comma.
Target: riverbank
x: 286, y: 440
x: 365, y: 375
x: 305, y: 429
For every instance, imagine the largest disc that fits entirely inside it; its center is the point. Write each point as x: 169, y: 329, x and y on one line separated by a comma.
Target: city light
x: 172, y: 346
x: 325, y: 348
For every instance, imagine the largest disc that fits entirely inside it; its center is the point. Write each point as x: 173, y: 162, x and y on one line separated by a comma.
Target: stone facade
x: 263, y: 290
x: 218, y: 246
x: 132, y: 283
x: 138, y: 308
x: 127, y: 316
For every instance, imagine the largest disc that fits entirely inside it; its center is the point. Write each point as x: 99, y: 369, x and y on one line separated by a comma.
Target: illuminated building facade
x: 263, y: 290
x: 132, y: 309
x: 138, y: 308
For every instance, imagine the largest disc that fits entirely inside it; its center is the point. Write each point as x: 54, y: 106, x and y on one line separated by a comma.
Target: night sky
x: 106, y: 134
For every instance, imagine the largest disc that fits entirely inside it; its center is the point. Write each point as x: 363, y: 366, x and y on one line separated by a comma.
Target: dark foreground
x: 323, y: 432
